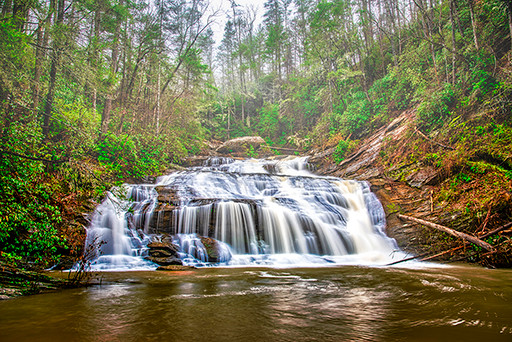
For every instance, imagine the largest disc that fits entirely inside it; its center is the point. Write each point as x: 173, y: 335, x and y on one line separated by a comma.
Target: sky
x: 225, y: 7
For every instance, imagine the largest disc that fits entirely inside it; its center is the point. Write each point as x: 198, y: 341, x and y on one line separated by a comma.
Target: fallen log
x: 450, y: 231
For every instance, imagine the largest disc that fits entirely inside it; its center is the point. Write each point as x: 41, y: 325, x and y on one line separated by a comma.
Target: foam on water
x: 261, y: 212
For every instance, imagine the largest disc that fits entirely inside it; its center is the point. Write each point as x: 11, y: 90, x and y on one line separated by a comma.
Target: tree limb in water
x: 492, y: 232
x: 450, y: 231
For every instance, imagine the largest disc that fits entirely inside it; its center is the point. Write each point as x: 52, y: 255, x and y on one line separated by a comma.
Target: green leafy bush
x: 130, y: 156
x: 339, y: 152
x: 432, y: 112
x: 28, y: 217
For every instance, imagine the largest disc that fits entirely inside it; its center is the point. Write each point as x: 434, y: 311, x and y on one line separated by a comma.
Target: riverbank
x: 15, y: 281
x: 458, y: 176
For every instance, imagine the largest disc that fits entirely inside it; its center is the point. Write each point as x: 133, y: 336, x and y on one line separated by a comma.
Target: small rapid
x: 240, y: 213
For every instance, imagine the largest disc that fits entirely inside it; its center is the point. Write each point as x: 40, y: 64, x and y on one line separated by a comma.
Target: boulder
x: 163, y: 246
x: 214, y: 250
x: 241, y: 145
x: 163, y: 253
x: 165, y: 261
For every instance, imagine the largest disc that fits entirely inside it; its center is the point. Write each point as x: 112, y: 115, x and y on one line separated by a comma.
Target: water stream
x: 258, y: 212
x: 298, y: 258
x: 340, y: 303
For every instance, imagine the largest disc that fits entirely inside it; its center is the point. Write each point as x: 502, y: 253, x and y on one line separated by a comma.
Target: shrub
x: 341, y: 150
x: 432, y: 112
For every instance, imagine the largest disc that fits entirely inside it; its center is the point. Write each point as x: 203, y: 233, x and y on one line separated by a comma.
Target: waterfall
x: 252, y: 212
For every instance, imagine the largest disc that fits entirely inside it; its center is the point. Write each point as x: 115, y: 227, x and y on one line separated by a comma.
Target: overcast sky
x: 225, y: 6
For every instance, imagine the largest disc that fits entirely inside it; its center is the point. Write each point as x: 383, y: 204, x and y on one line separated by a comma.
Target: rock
x: 241, y: 145
x: 425, y: 176
x: 163, y: 246
x: 165, y: 261
x: 175, y: 268
x: 162, y: 219
x: 166, y: 194
x: 215, y: 251
x: 160, y: 253
x: 195, y: 161
x: 212, y: 248
x: 163, y: 253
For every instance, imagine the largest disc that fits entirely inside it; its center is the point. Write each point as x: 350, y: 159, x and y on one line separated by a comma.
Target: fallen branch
x: 432, y: 141
x: 497, y: 230
x: 408, y: 259
x: 450, y: 231
x: 442, y: 253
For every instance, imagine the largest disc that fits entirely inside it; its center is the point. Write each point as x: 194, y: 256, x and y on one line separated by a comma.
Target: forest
x: 96, y: 93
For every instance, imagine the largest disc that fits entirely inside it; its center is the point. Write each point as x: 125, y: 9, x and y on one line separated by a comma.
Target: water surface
x: 344, y: 303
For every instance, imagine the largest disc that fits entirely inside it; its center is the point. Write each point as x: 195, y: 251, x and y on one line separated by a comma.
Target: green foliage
x: 252, y: 153
x: 340, y: 151
x: 271, y: 125
x: 434, y: 159
x: 434, y: 111
x: 130, y: 156
x: 28, y: 216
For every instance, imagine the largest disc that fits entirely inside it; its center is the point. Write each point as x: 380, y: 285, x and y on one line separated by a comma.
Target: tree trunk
x: 6, y: 8
x: 510, y: 21
x: 40, y: 33
x: 473, y: 22
x: 107, y: 108
x: 53, y: 69
x: 95, y: 56
x: 454, y: 48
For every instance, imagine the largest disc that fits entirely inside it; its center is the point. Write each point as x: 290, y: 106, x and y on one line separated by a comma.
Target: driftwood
x: 450, y: 231
x: 492, y: 232
x: 432, y: 141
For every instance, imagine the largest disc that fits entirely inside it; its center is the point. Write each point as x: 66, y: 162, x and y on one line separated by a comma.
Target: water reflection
x: 329, y: 304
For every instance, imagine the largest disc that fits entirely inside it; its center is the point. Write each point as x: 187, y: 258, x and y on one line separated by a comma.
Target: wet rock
x: 158, y: 253
x: 195, y: 161
x: 166, y: 194
x: 162, y: 219
x: 163, y: 246
x: 175, y: 268
x: 165, y: 261
x: 163, y: 253
x: 212, y: 248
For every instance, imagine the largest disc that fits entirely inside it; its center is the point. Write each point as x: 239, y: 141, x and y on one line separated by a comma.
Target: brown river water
x: 342, y: 303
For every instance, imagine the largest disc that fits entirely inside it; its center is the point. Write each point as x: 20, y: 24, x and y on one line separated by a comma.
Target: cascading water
x: 253, y: 212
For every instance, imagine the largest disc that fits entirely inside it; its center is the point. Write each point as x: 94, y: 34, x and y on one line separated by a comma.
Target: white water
x: 262, y: 212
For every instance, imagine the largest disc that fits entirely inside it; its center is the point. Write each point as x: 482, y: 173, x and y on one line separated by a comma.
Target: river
x: 342, y: 303
x: 292, y: 256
